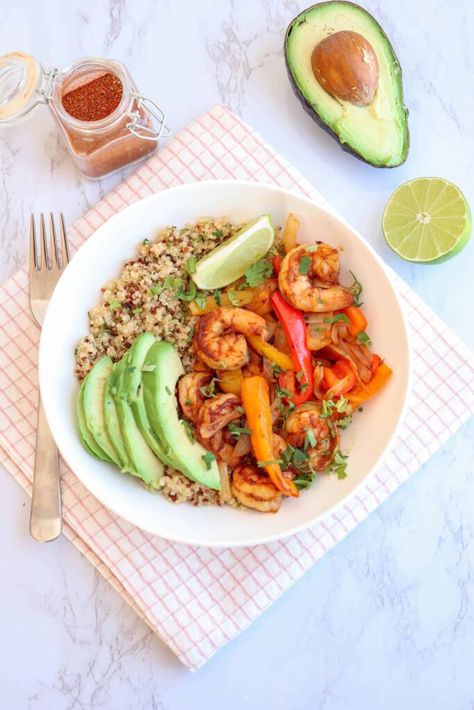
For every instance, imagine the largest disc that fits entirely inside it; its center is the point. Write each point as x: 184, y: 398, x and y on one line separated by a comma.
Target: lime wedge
x: 427, y: 220
x: 229, y: 260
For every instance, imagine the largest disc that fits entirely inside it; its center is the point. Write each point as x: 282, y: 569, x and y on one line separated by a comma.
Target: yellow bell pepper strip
x: 256, y: 403
x: 357, y: 320
x: 294, y: 326
x: 239, y: 298
x: 230, y: 381
x: 361, y: 394
x: 270, y: 352
x: 289, y: 233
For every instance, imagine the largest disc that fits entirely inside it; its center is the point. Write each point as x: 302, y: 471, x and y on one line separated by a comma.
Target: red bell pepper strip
x: 294, y: 328
x: 338, y: 379
x: 276, y: 261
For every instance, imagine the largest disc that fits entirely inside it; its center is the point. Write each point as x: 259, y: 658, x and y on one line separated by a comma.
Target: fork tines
x: 57, y: 255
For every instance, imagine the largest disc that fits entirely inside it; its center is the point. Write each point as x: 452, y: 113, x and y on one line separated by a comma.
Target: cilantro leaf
x: 233, y: 297
x: 189, y: 431
x: 208, y: 458
x: 189, y: 294
x: 305, y: 263
x: 339, y: 317
x: 356, y: 289
x: 191, y: 265
x: 258, y: 272
x: 237, y: 431
x: 364, y: 339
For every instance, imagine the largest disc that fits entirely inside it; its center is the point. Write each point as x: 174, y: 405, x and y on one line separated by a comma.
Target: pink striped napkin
x: 197, y: 599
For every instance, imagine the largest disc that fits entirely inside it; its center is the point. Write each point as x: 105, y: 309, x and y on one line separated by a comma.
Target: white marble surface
x: 387, y: 618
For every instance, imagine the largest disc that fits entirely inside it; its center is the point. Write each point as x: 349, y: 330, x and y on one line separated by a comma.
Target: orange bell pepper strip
x: 357, y: 320
x: 270, y: 352
x: 256, y: 403
x: 375, y: 363
x: 360, y: 394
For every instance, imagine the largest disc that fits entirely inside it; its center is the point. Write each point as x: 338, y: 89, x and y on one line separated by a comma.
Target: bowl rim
x: 347, y: 498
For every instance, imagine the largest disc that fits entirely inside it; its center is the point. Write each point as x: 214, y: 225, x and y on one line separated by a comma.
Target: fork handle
x: 45, y: 520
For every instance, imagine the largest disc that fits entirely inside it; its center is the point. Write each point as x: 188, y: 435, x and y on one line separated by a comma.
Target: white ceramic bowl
x: 101, y: 258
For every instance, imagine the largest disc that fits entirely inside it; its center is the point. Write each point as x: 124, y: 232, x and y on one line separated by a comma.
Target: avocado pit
x: 346, y: 66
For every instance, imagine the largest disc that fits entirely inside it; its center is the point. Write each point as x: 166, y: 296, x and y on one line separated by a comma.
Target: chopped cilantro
x: 191, y: 333
x: 189, y: 294
x: 168, y: 391
x: 309, y: 440
x: 208, y: 458
x: 114, y: 305
x: 172, y: 283
x: 233, y: 297
x: 339, y: 317
x: 191, y: 265
x: 145, y: 242
x: 189, y: 431
x: 200, y: 300
x: 344, y: 422
x: 305, y: 263
x: 218, y: 233
x: 239, y: 409
x: 276, y: 369
x: 356, y: 289
x: 237, y: 431
x: 364, y: 339
x: 217, y: 296
x: 139, y: 309
x: 258, y: 272
x: 156, y: 290
x: 339, y: 465
x: 210, y: 389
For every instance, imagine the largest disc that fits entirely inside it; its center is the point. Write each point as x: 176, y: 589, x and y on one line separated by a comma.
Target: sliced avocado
x: 93, y: 403
x: 87, y: 439
x: 160, y: 373
x: 142, y: 461
x: 133, y: 391
x: 377, y: 132
x: 112, y: 425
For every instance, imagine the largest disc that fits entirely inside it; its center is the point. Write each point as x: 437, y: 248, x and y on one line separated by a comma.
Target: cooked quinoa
x: 144, y: 297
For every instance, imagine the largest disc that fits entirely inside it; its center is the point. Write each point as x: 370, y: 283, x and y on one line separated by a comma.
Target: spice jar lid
x: 22, y: 82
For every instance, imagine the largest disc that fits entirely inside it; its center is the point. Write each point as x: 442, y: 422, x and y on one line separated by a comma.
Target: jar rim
x: 98, y: 63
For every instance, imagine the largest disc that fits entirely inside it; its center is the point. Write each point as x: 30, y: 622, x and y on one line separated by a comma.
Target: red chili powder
x: 94, y: 100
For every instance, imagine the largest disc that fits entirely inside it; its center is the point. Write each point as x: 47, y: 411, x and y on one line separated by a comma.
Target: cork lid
x: 21, y: 81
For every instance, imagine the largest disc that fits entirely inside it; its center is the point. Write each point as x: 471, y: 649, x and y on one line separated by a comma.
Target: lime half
x: 427, y: 220
x: 229, y: 260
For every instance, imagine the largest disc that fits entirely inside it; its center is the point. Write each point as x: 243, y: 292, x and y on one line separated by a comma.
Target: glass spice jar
x: 104, y: 119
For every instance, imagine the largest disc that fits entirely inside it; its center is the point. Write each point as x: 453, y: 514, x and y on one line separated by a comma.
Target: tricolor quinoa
x: 150, y: 295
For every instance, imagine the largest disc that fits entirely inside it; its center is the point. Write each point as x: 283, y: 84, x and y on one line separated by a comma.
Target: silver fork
x: 46, y: 266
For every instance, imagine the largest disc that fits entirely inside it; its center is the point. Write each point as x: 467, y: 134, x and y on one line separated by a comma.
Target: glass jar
x: 100, y: 146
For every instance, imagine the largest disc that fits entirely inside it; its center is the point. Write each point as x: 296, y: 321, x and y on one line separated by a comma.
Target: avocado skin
x: 309, y: 108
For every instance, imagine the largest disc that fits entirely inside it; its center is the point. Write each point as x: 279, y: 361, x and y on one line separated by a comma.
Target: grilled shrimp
x: 219, y: 337
x: 222, y: 444
x: 313, y: 286
x: 254, y: 489
x: 308, y: 417
x: 189, y: 395
x: 216, y: 413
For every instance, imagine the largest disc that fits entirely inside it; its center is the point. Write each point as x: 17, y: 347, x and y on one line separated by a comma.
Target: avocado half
x: 376, y: 133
